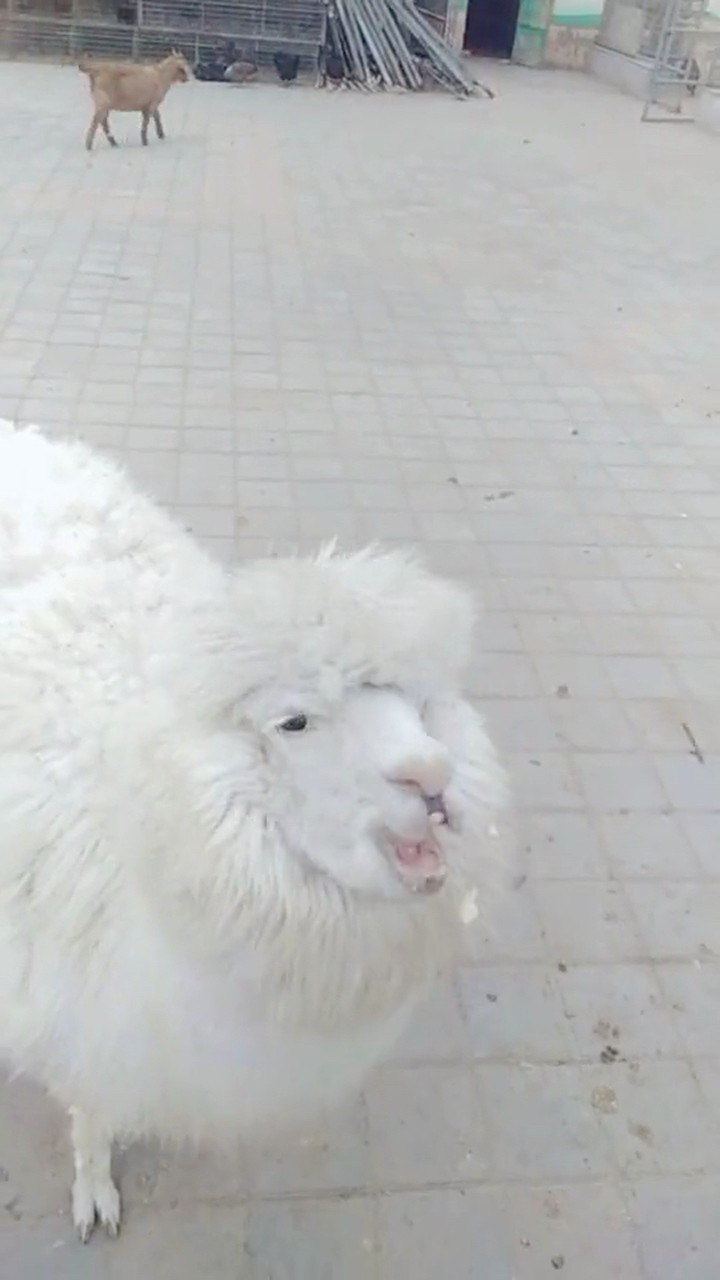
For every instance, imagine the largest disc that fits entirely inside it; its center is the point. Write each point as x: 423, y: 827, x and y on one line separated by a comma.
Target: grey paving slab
x: 490, y: 330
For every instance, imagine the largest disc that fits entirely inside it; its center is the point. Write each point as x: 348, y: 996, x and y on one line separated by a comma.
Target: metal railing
x: 64, y: 29
x: 684, y: 53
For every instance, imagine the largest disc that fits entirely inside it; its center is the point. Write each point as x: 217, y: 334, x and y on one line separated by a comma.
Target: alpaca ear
x: 425, y: 623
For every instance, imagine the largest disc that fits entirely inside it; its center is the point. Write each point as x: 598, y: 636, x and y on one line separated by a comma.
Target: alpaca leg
x: 158, y: 125
x: 144, y: 127
x: 94, y: 1195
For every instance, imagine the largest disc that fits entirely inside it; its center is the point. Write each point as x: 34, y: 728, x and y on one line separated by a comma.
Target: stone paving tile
x: 515, y: 1012
x: 678, y: 1226
x: 620, y: 1009
x: 426, y: 1126
x: 309, y: 1240
x: 576, y: 1231
x: 542, y: 1126
x: 416, y: 1228
x: 490, y: 330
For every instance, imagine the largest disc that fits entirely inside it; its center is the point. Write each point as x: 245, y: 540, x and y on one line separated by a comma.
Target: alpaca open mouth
x: 419, y: 864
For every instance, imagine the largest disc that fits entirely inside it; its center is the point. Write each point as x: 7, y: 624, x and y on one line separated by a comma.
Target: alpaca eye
x: 295, y: 724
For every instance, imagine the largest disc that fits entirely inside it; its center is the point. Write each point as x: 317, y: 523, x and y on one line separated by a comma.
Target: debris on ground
x: 641, y: 1131
x: 610, y: 1054
x: 604, y: 1099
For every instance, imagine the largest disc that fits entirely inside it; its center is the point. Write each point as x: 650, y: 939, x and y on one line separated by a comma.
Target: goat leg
x: 94, y: 1195
x: 100, y: 118
x: 144, y: 127
x: 158, y: 124
x: 90, y: 135
x: 106, y: 129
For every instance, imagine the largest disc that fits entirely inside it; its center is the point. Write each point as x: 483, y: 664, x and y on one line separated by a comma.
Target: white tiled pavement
x: 492, y: 329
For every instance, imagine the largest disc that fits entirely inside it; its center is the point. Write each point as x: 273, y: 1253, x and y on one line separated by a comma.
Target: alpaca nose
x: 437, y: 811
x: 430, y: 772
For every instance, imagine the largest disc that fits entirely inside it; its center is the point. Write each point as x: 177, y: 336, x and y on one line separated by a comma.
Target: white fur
x: 202, y: 934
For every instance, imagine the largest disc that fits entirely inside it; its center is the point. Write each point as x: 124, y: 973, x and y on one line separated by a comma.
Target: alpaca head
x: 347, y: 663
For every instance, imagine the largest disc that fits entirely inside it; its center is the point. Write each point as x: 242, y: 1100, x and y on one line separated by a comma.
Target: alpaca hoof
x: 95, y: 1202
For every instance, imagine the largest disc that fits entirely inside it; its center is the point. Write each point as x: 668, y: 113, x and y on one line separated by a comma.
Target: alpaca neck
x: 322, y: 957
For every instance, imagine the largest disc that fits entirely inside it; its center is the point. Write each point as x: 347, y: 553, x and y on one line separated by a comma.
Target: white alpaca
x: 226, y: 802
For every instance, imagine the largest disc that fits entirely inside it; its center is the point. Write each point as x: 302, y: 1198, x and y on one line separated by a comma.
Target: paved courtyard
x: 490, y: 329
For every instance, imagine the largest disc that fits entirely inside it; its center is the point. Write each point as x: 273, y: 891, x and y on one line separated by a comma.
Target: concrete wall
x: 455, y: 20
x: 578, y: 13
x: 534, y: 17
x: 577, y: 23
x: 574, y: 26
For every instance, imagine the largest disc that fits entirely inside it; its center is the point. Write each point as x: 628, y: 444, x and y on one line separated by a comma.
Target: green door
x: 532, y: 28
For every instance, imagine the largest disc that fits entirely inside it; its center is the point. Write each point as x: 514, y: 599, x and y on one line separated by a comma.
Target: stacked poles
x: 389, y: 44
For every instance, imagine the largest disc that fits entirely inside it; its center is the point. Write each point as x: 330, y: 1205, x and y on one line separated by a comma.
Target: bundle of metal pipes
x: 389, y: 44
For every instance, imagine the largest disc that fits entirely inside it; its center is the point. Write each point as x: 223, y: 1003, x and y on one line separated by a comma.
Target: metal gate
x: 685, y: 54
x: 63, y: 29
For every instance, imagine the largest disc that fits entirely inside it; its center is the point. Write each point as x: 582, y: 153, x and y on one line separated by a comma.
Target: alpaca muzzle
x: 419, y: 864
x: 437, y: 811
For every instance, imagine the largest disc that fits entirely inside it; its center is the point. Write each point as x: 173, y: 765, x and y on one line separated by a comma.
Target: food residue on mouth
x: 469, y: 909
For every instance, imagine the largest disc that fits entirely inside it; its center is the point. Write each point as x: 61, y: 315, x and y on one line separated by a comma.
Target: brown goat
x: 128, y: 86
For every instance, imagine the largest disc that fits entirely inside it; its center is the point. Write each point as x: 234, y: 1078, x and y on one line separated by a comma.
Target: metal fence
x: 685, y: 54
x: 64, y: 29
x: 677, y: 42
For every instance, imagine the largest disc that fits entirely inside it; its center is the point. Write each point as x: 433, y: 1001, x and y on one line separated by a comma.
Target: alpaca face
x: 360, y: 789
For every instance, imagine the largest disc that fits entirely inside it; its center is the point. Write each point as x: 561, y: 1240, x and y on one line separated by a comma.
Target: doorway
x: 490, y: 27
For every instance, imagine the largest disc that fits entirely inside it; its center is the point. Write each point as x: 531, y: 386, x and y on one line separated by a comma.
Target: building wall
x: 587, y: 13
x: 574, y: 26
x: 577, y: 13
x: 531, y: 32
x: 572, y: 29
x: 533, y: 25
x: 455, y: 20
